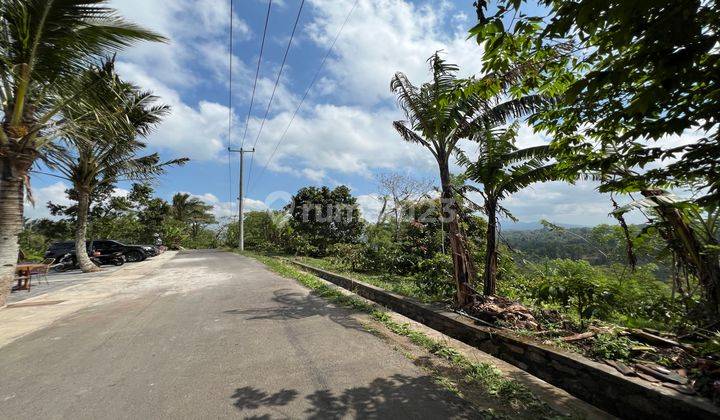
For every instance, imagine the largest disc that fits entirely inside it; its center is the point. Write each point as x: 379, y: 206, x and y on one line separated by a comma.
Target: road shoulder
x: 30, y: 315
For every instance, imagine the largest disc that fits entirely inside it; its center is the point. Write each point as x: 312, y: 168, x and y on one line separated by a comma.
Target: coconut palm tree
x: 439, y: 114
x: 502, y: 169
x: 192, y: 211
x: 44, y: 46
x: 92, y: 155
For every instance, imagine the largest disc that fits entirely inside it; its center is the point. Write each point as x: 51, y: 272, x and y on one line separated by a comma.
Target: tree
x: 640, y: 72
x: 111, y: 155
x: 438, y: 115
x: 325, y: 217
x: 503, y: 169
x: 45, y: 46
x: 400, y: 188
x: 191, y: 211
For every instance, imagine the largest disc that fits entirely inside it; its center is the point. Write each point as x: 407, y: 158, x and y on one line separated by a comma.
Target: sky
x: 342, y: 135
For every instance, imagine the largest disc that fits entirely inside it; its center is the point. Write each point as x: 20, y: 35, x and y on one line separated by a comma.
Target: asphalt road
x: 214, y: 335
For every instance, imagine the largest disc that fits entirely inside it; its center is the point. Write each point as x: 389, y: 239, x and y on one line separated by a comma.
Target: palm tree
x: 439, y: 114
x: 503, y: 169
x: 44, y: 46
x: 93, y: 156
x: 192, y: 211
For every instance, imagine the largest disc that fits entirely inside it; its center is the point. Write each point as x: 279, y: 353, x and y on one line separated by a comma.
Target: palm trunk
x: 462, y: 263
x: 86, y: 265
x: 12, y: 175
x: 491, y: 254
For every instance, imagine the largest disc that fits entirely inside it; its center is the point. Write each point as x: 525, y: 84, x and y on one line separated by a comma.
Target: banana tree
x: 502, y: 169
x: 439, y: 114
x: 44, y: 46
x: 94, y: 154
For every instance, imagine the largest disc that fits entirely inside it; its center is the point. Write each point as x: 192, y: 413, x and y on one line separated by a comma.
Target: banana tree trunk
x: 491, y: 254
x: 86, y: 265
x: 462, y: 264
x: 13, y: 171
x: 704, y: 264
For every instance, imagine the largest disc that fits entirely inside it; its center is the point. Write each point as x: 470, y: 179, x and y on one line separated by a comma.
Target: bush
x: 576, y: 286
x: 435, y: 277
x: 353, y: 257
x: 612, y: 347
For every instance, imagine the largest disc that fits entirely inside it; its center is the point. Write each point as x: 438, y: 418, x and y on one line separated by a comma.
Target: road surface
x: 213, y: 335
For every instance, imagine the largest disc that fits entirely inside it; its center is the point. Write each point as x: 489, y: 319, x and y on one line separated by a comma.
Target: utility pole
x: 241, y: 212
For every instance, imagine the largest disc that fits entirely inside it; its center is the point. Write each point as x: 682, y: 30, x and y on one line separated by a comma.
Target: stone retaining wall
x: 593, y: 382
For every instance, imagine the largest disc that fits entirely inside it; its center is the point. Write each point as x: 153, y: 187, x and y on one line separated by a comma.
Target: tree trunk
x: 462, y: 264
x: 704, y: 264
x: 86, y: 265
x: 13, y: 171
x: 491, y: 254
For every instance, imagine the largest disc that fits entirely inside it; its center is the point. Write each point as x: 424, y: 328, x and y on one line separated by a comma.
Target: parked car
x: 150, y: 250
x: 58, y: 250
x: 132, y: 253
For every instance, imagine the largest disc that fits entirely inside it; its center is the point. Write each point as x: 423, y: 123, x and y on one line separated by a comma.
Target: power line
x: 257, y: 73
x: 307, y: 91
x: 277, y: 81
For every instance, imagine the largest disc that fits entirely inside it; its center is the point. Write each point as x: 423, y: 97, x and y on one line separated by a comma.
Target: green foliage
x: 576, y: 285
x: 611, y: 346
x: 435, y: 277
x: 711, y: 346
x: 325, y: 217
x: 174, y: 233
x: 353, y: 257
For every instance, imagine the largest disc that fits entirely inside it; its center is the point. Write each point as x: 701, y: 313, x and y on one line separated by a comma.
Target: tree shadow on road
x: 398, y: 396
x: 296, y: 305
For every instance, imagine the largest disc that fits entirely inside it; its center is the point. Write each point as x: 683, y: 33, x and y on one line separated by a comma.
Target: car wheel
x: 134, y: 256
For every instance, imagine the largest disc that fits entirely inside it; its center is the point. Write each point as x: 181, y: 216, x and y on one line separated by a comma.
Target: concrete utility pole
x: 241, y: 211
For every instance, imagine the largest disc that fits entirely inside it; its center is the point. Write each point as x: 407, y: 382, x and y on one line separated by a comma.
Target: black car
x: 133, y: 253
x: 58, y: 249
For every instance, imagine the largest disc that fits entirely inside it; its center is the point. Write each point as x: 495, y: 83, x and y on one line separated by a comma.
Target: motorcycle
x: 65, y: 263
x: 116, y: 258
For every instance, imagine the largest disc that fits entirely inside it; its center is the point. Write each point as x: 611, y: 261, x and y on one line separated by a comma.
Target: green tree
x: 325, y: 217
x: 639, y: 71
x: 503, y: 169
x: 192, y: 211
x: 112, y: 155
x: 45, y: 46
x: 439, y: 114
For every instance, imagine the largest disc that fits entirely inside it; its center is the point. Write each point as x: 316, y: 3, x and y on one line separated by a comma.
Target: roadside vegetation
x: 647, y: 295
x: 610, y: 85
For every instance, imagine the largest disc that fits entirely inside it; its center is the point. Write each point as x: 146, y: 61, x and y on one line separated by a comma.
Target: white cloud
x: 53, y: 192
x: 370, y: 206
x: 196, y: 132
x: 224, y: 210
x: 386, y: 36
x: 348, y: 140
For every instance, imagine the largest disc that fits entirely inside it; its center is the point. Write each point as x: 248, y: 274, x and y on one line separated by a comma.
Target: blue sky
x: 343, y: 132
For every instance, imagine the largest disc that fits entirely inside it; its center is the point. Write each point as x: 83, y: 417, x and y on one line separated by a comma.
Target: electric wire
x: 307, y: 91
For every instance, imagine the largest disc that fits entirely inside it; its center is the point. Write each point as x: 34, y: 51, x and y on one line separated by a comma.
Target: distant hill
x: 510, y: 226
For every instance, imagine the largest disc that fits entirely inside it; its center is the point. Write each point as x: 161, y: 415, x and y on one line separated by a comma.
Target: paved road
x: 213, y: 335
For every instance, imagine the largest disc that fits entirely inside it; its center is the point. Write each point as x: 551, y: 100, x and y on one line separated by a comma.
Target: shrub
x: 611, y: 346
x: 576, y: 286
x: 353, y: 257
x: 435, y: 277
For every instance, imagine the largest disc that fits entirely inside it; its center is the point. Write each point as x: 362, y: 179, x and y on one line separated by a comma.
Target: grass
x: 403, y: 285
x: 486, y: 375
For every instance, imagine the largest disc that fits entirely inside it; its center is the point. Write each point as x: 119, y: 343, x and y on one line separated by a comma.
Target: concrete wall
x: 593, y: 382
